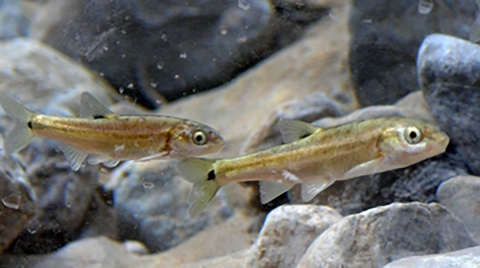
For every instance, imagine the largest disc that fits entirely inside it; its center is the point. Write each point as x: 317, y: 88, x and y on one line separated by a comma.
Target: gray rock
x: 14, y: 19
x: 465, y: 258
x: 17, y: 205
x: 383, y: 50
x: 381, y: 235
x: 45, y: 80
x: 449, y: 71
x: 224, y: 37
x: 461, y: 196
x: 287, y: 233
x: 310, y: 108
x: 151, y: 202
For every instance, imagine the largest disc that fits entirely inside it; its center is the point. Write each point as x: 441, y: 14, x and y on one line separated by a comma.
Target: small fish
x: 317, y: 157
x: 100, y: 136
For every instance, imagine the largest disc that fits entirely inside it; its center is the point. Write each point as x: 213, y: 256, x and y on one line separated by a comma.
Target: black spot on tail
x: 304, y: 136
x: 30, y: 125
x: 211, y: 175
x: 98, y: 117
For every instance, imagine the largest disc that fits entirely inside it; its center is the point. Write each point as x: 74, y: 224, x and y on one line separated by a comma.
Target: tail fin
x: 22, y: 134
x: 201, y: 173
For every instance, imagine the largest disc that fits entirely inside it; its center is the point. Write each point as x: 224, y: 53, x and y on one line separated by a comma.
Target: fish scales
x: 326, y: 151
x: 101, y: 135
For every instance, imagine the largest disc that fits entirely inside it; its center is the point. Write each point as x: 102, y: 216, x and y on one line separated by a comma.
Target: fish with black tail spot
x: 316, y: 157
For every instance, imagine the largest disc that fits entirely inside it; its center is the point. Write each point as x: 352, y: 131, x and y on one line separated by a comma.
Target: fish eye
x: 199, y: 137
x: 413, y: 135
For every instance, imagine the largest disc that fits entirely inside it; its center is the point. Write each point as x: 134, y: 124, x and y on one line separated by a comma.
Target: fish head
x: 194, y: 139
x: 408, y: 141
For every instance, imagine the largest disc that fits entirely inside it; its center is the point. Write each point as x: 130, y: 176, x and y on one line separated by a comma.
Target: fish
x: 316, y: 157
x: 101, y: 136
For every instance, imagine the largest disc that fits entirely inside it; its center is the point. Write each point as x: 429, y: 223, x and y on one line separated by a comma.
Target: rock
x: 151, y: 202
x: 224, y: 37
x: 449, y: 72
x: 89, y: 252
x: 465, y: 258
x: 310, y: 108
x: 418, y: 182
x: 384, y: 234
x: 460, y: 196
x: 45, y: 80
x: 383, y: 51
x: 287, y: 233
x: 14, y: 19
x: 209, y: 248
x: 18, y: 206
x: 62, y: 198
x: 136, y: 247
x: 100, y: 219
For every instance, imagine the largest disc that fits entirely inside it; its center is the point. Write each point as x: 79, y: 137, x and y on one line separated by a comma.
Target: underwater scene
x: 240, y: 133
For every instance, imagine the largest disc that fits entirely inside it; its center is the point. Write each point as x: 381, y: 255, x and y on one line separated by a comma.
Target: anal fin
x: 152, y: 157
x: 104, y: 159
x: 270, y: 190
x: 371, y: 167
x: 311, y: 189
x: 74, y: 156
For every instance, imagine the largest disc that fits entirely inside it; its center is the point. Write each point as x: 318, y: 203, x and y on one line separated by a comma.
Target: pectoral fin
x: 152, y: 157
x: 104, y: 159
x: 92, y: 107
x: 74, y: 156
x: 270, y: 190
x: 311, y: 189
x: 371, y: 167
x: 293, y: 130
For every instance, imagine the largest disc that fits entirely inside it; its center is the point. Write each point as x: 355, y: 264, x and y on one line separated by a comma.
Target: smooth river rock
x: 465, y: 258
x: 287, y: 233
x: 449, y: 74
x: 381, y: 235
x: 461, y: 195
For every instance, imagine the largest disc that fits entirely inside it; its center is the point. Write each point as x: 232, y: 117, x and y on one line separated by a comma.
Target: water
x: 425, y: 6
x: 12, y: 201
x: 33, y: 226
x: 244, y: 5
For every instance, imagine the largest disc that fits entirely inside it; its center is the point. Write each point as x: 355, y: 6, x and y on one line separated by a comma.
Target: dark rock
x: 151, y: 202
x: 386, y: 38
x: 465, y: 258
x: 449, y: 71
x: 63, y: 198
x: 17, y: 207
x: 381, y: 235
x: 100, y: 218
x: 461, y: 196
x: 287, y: 233
x: 151, y: 49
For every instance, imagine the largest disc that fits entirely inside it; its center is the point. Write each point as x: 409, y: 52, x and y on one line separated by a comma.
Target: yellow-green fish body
x: 100, y: 136
x: 317, y: 157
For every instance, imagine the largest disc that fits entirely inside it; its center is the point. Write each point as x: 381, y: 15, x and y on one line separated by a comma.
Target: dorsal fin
x: 92, y: 107
x: 293, y: 130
